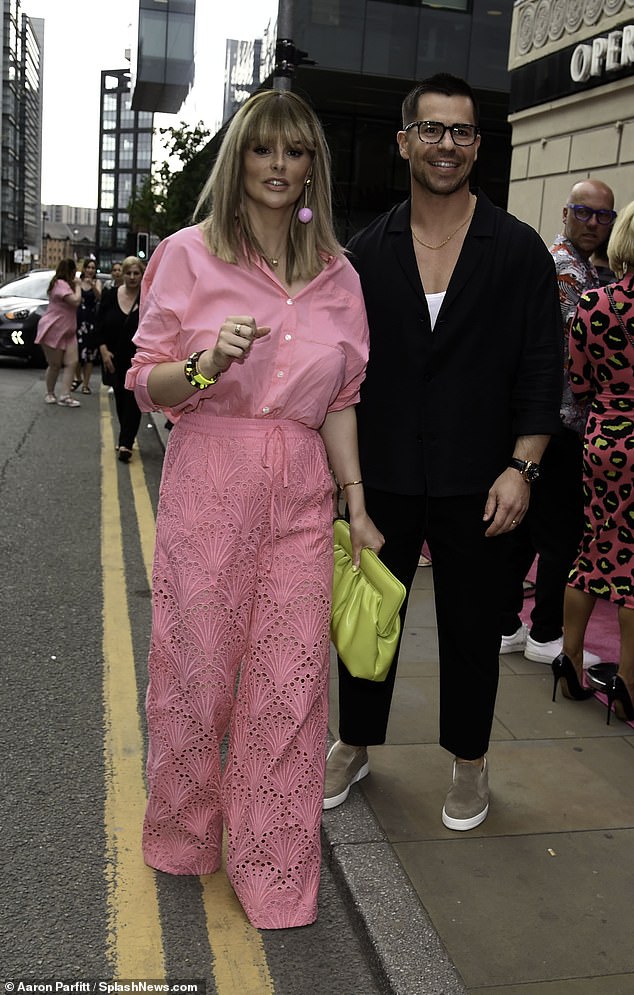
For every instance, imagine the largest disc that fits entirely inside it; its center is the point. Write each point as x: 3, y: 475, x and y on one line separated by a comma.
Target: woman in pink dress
x: 57, y: 332
x: 253, y: 339
x: 602, y: 372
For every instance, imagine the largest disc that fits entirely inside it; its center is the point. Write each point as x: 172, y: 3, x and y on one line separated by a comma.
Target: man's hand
x: 507, y: 502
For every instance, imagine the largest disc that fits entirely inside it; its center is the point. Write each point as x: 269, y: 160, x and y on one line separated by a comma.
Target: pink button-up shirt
x: 312, y: 362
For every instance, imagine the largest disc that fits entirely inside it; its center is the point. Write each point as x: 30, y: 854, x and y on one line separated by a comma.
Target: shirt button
x: 280, y: 373
x: 288, y: 338
x: 265, y: 411
x: 290, y: 301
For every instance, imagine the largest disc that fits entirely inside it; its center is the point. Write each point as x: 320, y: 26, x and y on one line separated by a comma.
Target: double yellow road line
x: 135, y: 939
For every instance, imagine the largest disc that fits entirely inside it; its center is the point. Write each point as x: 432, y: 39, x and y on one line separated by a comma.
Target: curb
x: 399, y: 937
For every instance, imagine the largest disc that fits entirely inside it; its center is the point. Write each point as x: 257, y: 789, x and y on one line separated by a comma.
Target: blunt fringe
x: 621, y: 243
x: 445, y: 84
x: 268, y: 117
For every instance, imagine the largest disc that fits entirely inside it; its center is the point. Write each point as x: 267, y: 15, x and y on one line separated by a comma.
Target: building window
x: 447, y: 4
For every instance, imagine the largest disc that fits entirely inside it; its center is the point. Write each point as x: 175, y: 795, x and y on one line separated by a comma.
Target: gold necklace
x: 449, y: 237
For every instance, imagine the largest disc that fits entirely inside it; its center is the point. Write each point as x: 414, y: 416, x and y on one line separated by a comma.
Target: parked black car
x: 22, y: 303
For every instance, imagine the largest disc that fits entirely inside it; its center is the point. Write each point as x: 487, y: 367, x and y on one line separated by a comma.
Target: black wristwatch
x: 527, y: 467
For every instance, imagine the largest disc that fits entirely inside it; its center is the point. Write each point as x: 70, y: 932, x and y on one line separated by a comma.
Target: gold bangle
x: 350, y: 483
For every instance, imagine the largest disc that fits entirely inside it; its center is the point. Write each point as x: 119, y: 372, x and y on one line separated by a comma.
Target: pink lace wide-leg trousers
x: 240, y: 642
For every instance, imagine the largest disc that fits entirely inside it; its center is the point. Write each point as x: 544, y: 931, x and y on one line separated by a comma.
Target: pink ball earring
x: 305, y: 215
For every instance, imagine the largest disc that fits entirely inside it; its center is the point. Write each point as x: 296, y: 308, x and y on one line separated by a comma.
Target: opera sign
x: 605, y: 54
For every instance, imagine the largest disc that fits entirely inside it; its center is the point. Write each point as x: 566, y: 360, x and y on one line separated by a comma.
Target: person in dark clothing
x: 117, y: 322
x: 461, y: 395
x: 553, y: 527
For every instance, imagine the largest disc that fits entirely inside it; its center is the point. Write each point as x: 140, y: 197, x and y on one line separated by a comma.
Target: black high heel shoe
x: 599, y: 675
x: 619, y: 695
x: 564, y: 671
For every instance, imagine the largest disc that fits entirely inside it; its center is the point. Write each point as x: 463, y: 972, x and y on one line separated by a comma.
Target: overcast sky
x: 80, y: 40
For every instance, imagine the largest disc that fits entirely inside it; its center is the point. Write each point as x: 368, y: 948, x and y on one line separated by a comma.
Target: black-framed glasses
x: 433, y: 132
x: 584, y: 213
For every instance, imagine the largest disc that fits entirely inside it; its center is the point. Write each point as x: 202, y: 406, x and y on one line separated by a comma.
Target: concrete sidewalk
x: 538, y: 899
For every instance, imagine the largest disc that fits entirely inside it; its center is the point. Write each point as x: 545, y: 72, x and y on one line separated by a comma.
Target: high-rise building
x: 125, y: 163
x: 21, y: 138
x: 163, y: 60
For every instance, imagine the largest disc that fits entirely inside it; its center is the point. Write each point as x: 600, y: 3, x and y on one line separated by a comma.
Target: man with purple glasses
x: 554, y: 523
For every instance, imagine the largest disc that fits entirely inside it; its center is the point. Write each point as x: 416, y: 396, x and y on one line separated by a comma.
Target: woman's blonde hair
x: 268, y: 117
x: 621, y: 244
x: 131, y: 261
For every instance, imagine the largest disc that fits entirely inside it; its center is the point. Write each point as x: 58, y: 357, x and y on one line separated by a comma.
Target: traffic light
x: 142, y: 244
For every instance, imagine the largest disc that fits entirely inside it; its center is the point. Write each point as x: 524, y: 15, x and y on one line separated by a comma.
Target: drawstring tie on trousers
x: 275, y: 453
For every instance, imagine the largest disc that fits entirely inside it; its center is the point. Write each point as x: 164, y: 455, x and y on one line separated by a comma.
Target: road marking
x: 239, y: 961
x: 144, y: 516
x: 135, y: 943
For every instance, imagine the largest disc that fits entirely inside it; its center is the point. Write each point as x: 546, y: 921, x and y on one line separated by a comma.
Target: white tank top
x: 434, y: 303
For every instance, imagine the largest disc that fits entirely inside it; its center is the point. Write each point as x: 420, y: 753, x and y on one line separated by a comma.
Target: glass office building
x: 125, y: 162
x: 21, y: 138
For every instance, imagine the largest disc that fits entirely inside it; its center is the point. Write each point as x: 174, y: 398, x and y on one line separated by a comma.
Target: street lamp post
x: 284, y: 64
x: 44, y: 242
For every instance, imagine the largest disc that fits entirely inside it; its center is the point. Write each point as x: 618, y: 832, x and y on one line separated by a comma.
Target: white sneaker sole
x: 589, y: 659
x: 538, y: 657
x: 335, y: 800
x: 461, y: 825
x: 512, y: 648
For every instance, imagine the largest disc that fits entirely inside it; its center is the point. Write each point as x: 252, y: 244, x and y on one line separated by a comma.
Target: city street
x: 79, y: 904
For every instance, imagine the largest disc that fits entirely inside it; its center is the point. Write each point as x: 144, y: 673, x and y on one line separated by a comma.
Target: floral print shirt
x: 575, y: 275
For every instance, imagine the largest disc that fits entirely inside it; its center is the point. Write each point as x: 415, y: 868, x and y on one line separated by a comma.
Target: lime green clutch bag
x: 365, y: 623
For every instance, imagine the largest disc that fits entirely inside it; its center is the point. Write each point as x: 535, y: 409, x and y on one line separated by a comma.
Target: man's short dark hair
x: 443, y: 83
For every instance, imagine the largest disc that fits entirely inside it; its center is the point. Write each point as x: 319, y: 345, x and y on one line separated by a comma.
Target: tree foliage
x: 166, y: 200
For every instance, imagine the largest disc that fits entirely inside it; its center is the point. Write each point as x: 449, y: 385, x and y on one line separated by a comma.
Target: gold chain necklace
x: 449, y: 237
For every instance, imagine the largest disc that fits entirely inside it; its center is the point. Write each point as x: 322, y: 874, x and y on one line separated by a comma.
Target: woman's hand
x: 235, y: 339
x: 107, y: 358
x: 363, y: 534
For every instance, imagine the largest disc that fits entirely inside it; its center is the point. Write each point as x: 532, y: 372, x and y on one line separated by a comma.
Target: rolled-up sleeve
x: 166, y: 287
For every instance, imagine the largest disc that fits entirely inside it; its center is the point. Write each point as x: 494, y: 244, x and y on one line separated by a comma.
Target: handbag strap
x: 617, y: 315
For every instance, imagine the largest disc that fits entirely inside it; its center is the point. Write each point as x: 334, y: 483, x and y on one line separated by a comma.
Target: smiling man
x: 461, y: 394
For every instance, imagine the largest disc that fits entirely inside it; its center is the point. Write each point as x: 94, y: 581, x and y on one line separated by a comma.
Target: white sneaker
x: 514, y: 643
x: 546, y: 652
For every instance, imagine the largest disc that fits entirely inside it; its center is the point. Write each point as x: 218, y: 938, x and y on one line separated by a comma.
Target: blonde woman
x: 253, y: 339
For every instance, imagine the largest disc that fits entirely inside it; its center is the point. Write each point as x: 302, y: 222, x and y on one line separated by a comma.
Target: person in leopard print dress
x: 602, y: 372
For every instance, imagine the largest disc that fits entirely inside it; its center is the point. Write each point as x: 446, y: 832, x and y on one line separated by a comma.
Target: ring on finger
x: 237, y: 329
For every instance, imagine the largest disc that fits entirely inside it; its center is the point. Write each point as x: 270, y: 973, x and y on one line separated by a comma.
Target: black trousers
x: 467, y: 570
x: 128, y: 412
x: 552, y: 530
